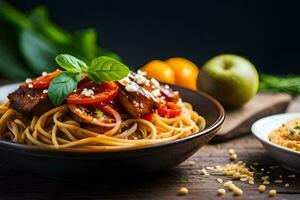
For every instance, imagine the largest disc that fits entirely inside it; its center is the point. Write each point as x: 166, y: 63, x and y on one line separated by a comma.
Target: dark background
x: 266, y: 32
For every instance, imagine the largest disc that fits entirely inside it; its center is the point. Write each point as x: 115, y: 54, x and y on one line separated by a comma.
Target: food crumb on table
x: 272, y: 193
x: 183, y: 191
x: 261, y: 188
x: 221, y: 191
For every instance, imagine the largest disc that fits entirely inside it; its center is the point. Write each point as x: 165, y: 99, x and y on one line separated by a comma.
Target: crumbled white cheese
x: 167, y: 86
x: 139, y: 79
x: 45, y: 91
x: 87, y: 92
x: 140, y: 72
x: 131, y: 87
x: 147, y: 83
x: 28, y: 80
x: 156, y: 92
x: 126, y: 80
x: 30, y: 86
x: 44, y: 74
x: 155, y: 82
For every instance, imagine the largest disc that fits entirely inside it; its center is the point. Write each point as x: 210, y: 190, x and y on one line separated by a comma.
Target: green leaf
x: 85, y: 44
x: 106, y: 69
x: 43, y: 25
x: 13, y: 16
x: 70, y: 63
x: 108, y: 53
x: 37, y: 51
x: 11, y: 62
x: 61, y: 86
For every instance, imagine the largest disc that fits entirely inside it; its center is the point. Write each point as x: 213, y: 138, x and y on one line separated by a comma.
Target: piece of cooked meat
x: 137, y: 103
x: 29, y: 101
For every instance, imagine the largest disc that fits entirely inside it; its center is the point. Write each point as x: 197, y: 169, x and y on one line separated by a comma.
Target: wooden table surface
x: 163, y: 185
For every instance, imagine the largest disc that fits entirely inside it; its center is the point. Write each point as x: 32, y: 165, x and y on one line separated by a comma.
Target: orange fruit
x: 185, y: 71
x: 160, y: 71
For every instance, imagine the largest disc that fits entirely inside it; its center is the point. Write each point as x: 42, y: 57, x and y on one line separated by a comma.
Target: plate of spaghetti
x: 102, y: 116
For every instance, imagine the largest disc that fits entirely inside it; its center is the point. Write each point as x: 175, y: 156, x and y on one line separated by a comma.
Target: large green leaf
x: 37, y: 51
x: 43, y: 25
x: 13, y: 16
x: 84, y: 45
x: 11, y: 62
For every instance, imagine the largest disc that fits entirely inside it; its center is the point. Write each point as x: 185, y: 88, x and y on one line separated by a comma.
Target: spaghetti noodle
x: 57, y: 129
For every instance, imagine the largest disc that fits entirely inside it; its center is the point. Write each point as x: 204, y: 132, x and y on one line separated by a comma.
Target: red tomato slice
x: 169, y: 110
x: 103, y: 93
x: 87, y: 115
x: 43, y: 82
x: 149, y: 117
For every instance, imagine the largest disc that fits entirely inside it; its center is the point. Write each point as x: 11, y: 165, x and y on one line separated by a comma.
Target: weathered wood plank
x: 238, y: 121
x: 156, y: 186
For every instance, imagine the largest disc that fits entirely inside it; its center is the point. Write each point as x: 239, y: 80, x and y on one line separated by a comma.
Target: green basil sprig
x: 102, y: 69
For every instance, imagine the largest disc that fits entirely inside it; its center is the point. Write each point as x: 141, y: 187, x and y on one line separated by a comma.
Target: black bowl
x: 68, y: 164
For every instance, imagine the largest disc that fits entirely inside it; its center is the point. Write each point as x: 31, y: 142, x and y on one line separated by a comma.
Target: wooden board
x: 239, y: 121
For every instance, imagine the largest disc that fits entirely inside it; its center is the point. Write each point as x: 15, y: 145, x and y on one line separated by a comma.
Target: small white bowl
x: 288, y: 158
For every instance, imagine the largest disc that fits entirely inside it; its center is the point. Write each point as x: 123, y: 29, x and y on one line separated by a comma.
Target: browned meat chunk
x: 137, y: 103
x: 29, y: 101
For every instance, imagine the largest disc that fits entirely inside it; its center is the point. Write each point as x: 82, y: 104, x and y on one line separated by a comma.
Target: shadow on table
x: 105, y: 186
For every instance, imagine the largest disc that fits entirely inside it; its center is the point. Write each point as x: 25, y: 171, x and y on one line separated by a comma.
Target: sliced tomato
x: 103, y: 93
x: 169, y: 110
x: 43, y: 82
x: 149, y: 117
x: 88, y: 115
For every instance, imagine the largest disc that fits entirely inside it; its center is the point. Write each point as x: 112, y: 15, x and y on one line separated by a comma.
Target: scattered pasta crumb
x: 272, y: 193
x: 266, y: 182
x: 236, y: 175
x: 203, y: 171
x: 286, y: 185
x: 233, y: 157
x: 291, y: 176
x: 227, y: 183
x: 237, y: 191
x: 183, y: 191
x: 231, y: 151
x: 221, y: 191
x: 262, y: 188
x: 191, y: 163
x: 278, y: 181
x: 219, y: 180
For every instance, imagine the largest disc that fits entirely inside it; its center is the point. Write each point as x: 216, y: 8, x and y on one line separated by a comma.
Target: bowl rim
x: 36, y: 149
x: 258, y: 134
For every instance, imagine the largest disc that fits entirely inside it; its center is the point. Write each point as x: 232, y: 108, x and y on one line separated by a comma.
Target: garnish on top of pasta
x: 101, y: 107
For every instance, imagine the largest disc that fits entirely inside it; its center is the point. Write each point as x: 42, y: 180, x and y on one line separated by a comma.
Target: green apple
x: 231, y: 79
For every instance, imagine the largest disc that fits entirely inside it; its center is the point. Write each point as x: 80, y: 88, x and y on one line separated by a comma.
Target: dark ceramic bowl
x: 64, y: 164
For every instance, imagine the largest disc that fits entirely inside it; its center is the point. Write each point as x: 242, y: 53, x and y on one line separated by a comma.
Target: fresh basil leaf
x: 61, y: 86
x: 70, y: 63
x: 106, y: 69
x: 37, y: 51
